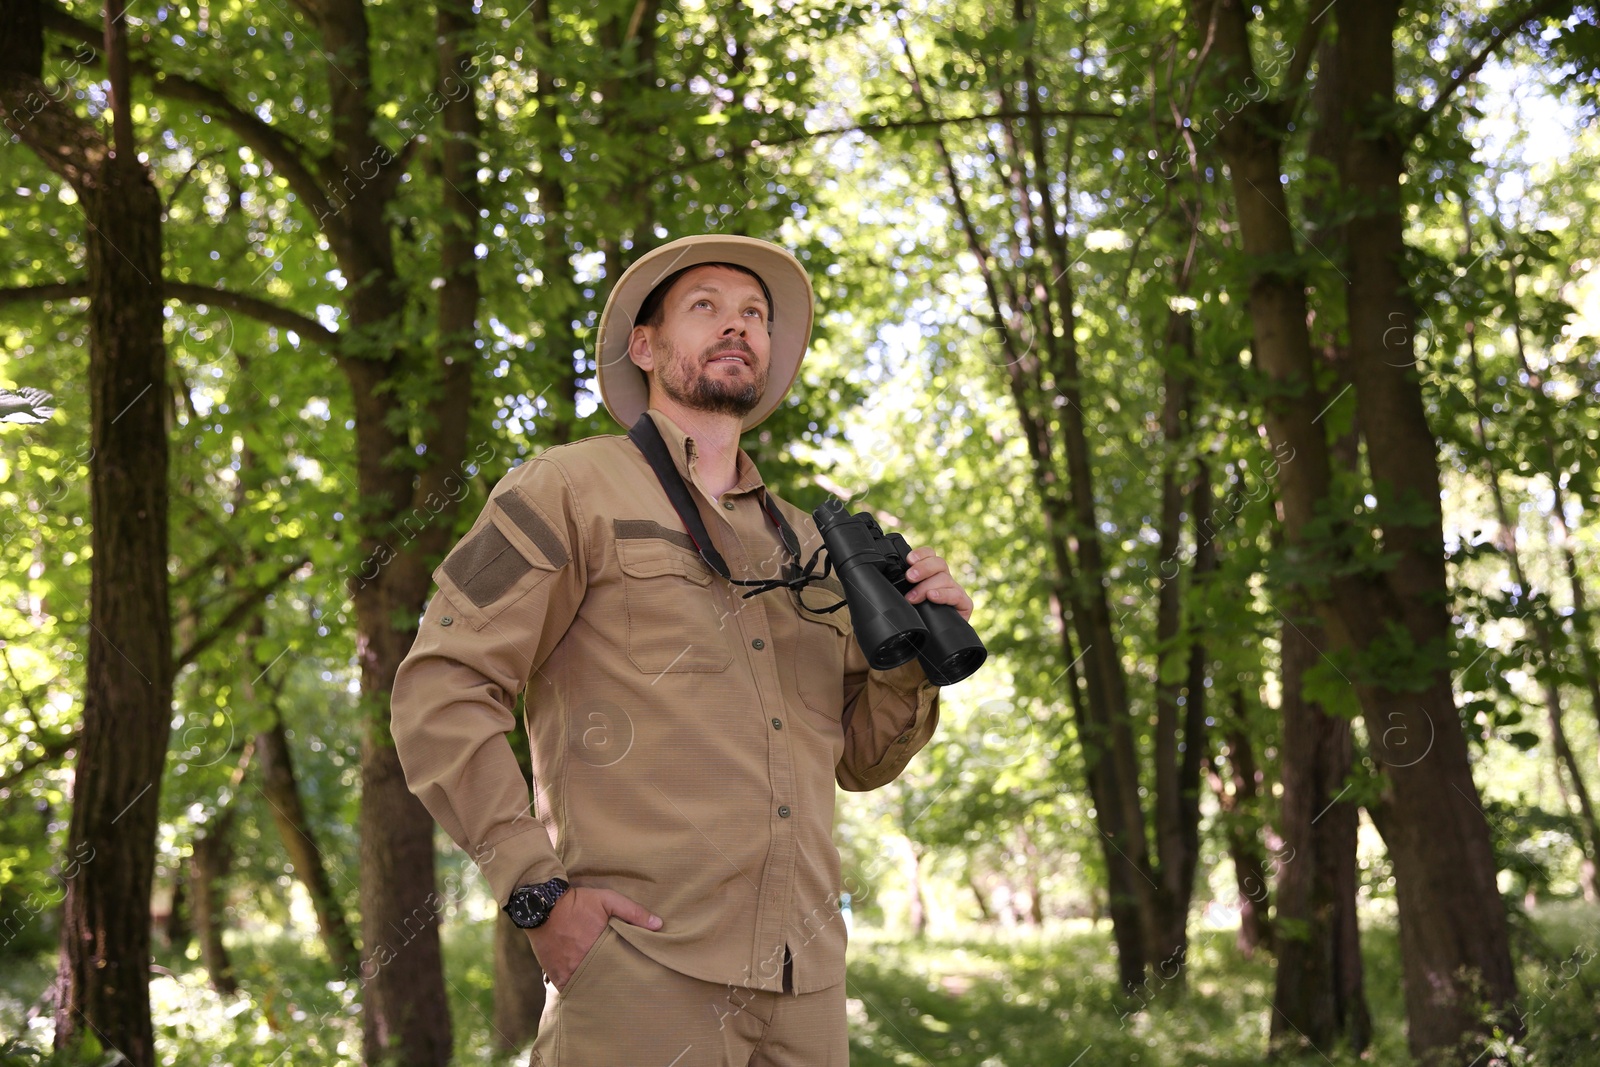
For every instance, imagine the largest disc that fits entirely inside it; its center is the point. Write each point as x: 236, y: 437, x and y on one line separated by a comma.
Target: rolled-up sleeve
x: 506, y: 595
x: 888, y: 717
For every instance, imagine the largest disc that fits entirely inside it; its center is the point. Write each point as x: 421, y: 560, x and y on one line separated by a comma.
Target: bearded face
x: 724, y: 379
x: 711, y: 351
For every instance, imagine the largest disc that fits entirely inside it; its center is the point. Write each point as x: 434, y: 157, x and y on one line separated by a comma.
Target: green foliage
x: 592, y: 152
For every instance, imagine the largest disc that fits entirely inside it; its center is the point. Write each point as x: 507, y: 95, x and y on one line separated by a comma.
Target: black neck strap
x: 646, y: 436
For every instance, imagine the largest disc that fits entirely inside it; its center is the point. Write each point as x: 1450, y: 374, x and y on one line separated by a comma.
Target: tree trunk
x: 281, y: 788
x: 127, y: 706
x: 560, y: 292
x: 1318, y: 997
x: 1032, y: 861
x: 1108, y: 767
x: 916, y: 907
x: 405, y: 1012
x: 985, y: 915
x: 102, y: 988
x: 1546, y: 662
x: 1455, y: 948
x: 518, y: 987
x: 209, y: 862
x: 176, y: 930
x: 1240, y: 802
x: 1455, y: 943
x: 1166, y: 931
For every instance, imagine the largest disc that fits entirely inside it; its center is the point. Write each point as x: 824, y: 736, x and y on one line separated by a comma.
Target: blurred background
x: 1241, y: 359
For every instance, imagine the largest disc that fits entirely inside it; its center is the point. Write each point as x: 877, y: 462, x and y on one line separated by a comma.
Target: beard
x: 691, y: 383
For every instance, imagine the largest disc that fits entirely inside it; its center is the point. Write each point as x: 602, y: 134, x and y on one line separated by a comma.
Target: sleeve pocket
x: 502, y: 561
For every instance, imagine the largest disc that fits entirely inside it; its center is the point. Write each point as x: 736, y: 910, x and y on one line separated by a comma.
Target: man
x: 675, y: 870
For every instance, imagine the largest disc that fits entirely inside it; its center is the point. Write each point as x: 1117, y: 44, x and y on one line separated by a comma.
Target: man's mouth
x: 732, y: 357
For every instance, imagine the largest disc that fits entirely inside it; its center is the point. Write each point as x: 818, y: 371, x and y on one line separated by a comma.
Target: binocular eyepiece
x: 892, y: 630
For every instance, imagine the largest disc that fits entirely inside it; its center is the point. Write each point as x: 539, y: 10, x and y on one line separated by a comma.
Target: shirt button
x: 777, y: 724
x: 783, y: 812
x: 728, y: 504
x: 758, y: 644
x: 446, y: 621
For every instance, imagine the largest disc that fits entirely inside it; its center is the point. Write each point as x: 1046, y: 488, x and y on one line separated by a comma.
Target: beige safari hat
x: 624, y: 387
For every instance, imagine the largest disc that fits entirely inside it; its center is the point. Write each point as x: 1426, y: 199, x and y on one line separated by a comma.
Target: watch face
x: 530, y: 905
x: 524, y: 909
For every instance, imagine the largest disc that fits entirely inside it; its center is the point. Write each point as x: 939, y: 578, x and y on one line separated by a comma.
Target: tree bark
x: 1051, y: 415
x: 176, y: 929
x: 209, y: 862
x: 405, y: 1012
x: 1455, y: 942
x: 1455, y: 948
x: 916, y: 906
x: 1180, y: 733
x: 102, y: 980
x: 985, y: 914
x: 281, y: 788
x: 559, y: 288
x: 1239, y: 798
x: 1318, y: 996
x: 1086, y: 691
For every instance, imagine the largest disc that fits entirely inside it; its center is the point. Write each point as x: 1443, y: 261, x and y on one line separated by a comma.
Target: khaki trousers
x: 623, y: 1009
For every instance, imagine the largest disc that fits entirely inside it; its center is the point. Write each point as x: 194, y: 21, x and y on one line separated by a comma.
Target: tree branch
x: 247, y: 605
x: 24, y: 294
x: 298, y: 163
x: 389, y: 173
x: 1499, y: 35
x: 1300, y: 65
x: 258, y: 309
x: 948, y: 120
x: 62, y: 141
x: 189, y: 292
x: 51, y: 751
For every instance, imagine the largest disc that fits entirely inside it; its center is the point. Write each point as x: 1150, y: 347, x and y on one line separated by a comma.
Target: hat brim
x: 623, y: 386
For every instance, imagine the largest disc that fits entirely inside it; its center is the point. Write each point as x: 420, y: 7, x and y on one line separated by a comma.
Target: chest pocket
x: 818, y: 662
x: 675, y: 618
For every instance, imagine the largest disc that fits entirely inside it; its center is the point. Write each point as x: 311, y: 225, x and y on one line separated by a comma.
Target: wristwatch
x: 530, y: 905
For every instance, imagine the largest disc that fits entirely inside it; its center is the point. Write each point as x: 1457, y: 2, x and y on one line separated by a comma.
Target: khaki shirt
x: 685, y: 741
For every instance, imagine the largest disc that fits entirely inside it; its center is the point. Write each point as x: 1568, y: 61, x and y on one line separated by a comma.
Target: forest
x: 1241, y: 359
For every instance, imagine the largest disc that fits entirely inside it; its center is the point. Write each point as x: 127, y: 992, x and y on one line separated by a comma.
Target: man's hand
x: 575, y: 924
x: 933, y: 581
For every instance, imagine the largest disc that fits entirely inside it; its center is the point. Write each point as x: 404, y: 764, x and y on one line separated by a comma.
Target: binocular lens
x: 958, y: 665
x: 895, y: 650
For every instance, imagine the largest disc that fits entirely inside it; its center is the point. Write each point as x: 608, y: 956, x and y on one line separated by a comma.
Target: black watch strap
x: 530, y: 905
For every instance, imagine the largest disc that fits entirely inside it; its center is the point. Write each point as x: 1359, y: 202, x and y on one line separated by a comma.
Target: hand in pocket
x: 576, y: 923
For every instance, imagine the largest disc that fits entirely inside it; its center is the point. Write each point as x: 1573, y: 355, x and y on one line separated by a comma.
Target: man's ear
x: 639, y: 349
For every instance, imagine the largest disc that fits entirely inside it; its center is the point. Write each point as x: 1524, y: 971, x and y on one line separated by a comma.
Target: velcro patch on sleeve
x: 486, y: 566
x: 530, y: 522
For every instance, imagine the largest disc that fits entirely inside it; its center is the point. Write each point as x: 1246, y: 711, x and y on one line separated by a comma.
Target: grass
x: 1034, y: 1001
x: 990, y: 1000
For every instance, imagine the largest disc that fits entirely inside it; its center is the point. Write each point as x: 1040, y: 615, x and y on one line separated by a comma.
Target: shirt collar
x: 682, y: 449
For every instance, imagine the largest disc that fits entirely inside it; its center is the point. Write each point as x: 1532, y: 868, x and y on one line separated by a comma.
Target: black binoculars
x: 891, y: 629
